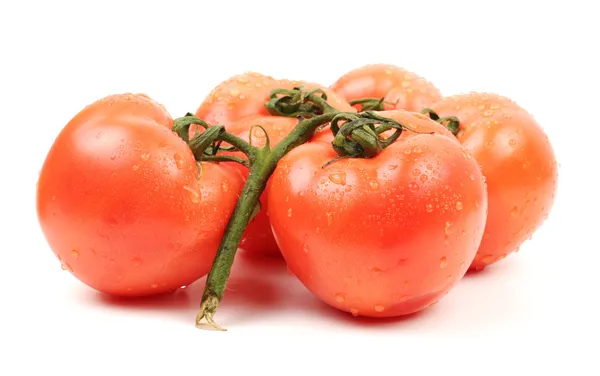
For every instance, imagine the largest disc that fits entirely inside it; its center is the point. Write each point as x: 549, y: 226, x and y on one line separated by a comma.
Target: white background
x: 532, y: 312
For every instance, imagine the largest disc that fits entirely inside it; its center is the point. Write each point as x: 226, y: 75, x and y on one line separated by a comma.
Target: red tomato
x: 396, y: 85
x: 246, y: 94
x: 124, y: 205
x: 237, y: 97
x: 518, y: 162
x: 385, y: 236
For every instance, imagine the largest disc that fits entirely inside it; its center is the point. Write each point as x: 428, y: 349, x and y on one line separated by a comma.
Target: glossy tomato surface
x: 246, y: 94
x: 386, y: 236
x: 403, y: 89
x: 517, y: 161
x: 123, y: 204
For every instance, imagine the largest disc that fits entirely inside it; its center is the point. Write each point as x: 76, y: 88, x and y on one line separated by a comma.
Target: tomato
x: 246, y: 94
x: 237, y: 97
x: 123, y: 203
x: 517, y: 161
x: 384, y: 236
x: 405, y: 89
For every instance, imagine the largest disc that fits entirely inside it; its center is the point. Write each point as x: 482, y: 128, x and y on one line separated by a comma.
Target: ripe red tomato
x: 518, y: 162
x: 396, y: 85
x: 123, y: 203
x: 246, y: 94
x: 385, y: 236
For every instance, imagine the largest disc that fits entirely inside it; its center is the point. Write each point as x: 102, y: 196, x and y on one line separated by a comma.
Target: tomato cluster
x: 379, y: 192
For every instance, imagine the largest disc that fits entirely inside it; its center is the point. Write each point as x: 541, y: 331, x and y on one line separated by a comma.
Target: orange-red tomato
x: 123, y: 203
x: 385, y: 236
x: 246, y: 94
x: 396, y: 85
x: 517, y: 161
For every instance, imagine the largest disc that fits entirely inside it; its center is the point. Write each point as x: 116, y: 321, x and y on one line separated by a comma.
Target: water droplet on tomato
x: 429, y: 208
x: 137, y: 261
x: 446, y: 240
x: 194, y: 194
x: 413, y: 187
x: 318, y: 230
x: 407, y: 151
x: 339, y: 298
x: 179, y: 162
x: 512, y: 142
x: 424, y: 178
x: 378, y: 308
x: 487, y: 259
x: 513, y: 211
x: 416, y: 172
x: 74, y: 253
x: 443, y: 262
x: 392, y: 167
x: 338, y: 178
x: 374, y: 184
x: 354, y: 311
x: 183, y: 287
x: 329, y: 218
x: 135, y: 167
x: 224, y: 187
x: 462, y: 265
x: 287, y: 198
x: 305, y: 248
x: 459, y: 205
x: 487, y: 113
x: 472, y: 177
x: 448, y: 228
x: 145, y: 156
x: 154, y: 285
x: 65, y: 266
x: 429, y: 167
x: 489, y: 144
x: 289, y: 212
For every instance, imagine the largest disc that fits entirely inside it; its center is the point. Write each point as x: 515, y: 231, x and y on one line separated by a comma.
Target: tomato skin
x: 246, y: 94
x: 120, y: 204
x: 518, y: 162
x: 406, y: 89
x: 380, y: 237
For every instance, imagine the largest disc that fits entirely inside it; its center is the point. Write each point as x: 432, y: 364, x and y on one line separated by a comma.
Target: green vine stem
x: 453, y: 122
x: 371, y: 104
x: 357, y: 135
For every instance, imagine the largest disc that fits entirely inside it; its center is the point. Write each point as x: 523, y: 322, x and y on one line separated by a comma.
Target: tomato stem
x: 371, y: 104
x: 263, y: 162
x: 453, y: 122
